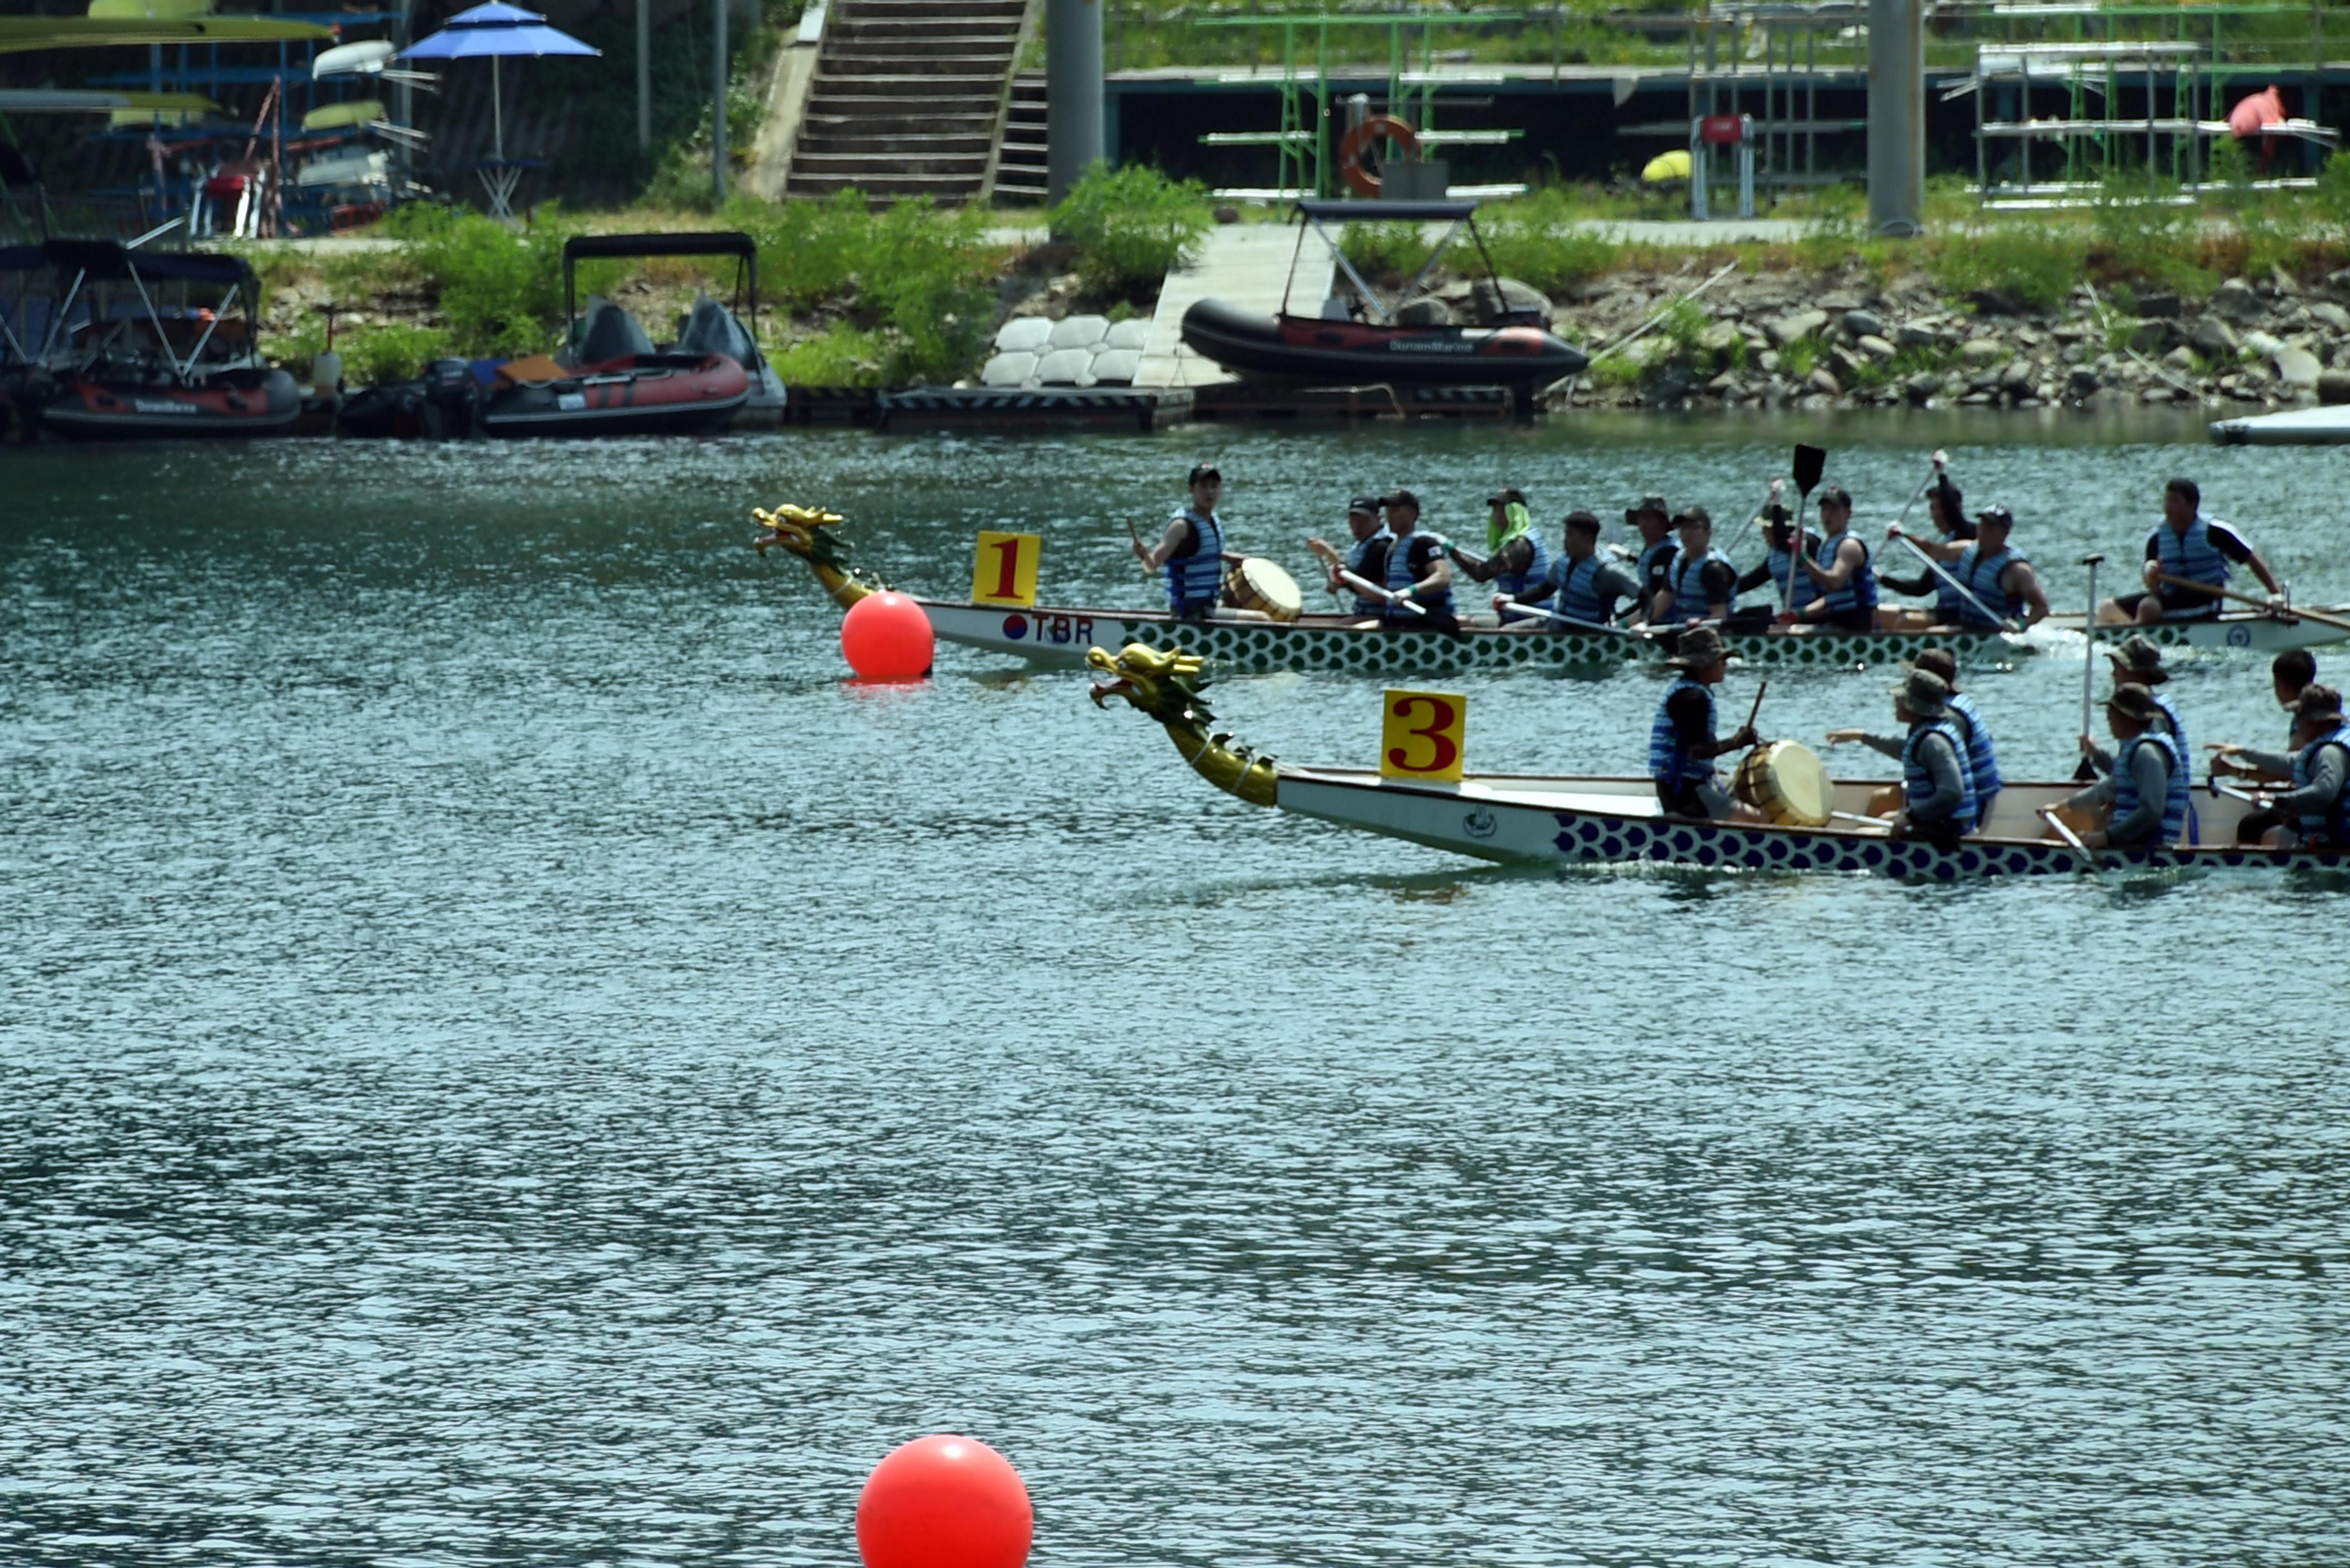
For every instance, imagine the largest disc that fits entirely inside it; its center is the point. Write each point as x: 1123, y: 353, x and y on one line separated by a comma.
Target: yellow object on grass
x: 1664, y: 166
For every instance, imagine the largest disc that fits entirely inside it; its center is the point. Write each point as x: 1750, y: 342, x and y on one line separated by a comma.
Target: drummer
x: 1192, y: 551
x: 1975, y: 748
x: 1946, y: 505
x: 1701, y: 583
x: 2291, y: 673
x: 1366, y: 558
x: 2316, y: 811
x: 1839, y: 574
x: 1682, y: 747
x: 2146, y: 795
x: 1515, y: 561
x: 1582, y: 585
x: 2196, y: 549
x: 1416, y: 572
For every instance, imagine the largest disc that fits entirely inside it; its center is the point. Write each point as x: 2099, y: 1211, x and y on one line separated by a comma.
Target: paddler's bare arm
x: 1178, y: 530
x: 2023, y: 582
x: 1943, y: 550
x: 1439, y: 579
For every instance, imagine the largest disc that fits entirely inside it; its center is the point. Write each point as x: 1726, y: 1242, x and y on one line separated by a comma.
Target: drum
x: 1786, y: 783
x: 1259, y: 585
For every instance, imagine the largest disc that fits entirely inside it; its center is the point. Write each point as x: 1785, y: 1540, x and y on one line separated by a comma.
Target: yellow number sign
x: 1005, y: 572
x: 1421, y: 734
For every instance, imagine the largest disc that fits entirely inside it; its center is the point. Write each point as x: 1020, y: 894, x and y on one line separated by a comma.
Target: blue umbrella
x: 495, y: 32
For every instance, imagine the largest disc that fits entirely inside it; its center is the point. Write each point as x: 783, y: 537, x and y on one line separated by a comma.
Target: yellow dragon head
x: 806, y: 532
x: 1167, y: 686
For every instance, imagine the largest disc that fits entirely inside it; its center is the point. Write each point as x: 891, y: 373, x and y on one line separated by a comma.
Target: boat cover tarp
x: 718, y: 242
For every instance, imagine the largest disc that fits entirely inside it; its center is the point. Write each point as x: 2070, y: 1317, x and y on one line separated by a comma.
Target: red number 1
x: 1441, y: 717
x: 1007, y: 581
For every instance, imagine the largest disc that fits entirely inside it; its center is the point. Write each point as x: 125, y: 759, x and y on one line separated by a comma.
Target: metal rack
x: 1763, y: 60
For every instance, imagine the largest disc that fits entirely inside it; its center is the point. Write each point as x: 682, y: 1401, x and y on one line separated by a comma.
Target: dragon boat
x: 1599, y: 821
x: 1061, y: 635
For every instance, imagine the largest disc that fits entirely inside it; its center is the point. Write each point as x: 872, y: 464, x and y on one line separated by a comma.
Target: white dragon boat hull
x: 1055, y: 635
x: 1617, y: 821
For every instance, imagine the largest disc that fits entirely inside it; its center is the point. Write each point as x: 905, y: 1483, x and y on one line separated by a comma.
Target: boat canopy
x: 1325, y: 210
x: 704, y: 242
x: 104, y: 261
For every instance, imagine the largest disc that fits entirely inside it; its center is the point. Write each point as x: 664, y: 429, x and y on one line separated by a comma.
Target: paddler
x: 1366, y: 558
x: 1702, y: 583
x: 1681, y: 745
x: 1515, y: 561
x: 1974, y: 734
x: 2291, y: 673
x: 1946, y: 505
x: 1778, y: 556
x: 1583, y: 585
x: 2316, y: 811
x: 1416, y: 570
x: 2146, y: 795
x: 2005, y: 590
x: 1938, y: 791
x: 2138, y: 663
x: 1653, y: 520
x: 1192, y: 551
x: 2189, y: 545
x: 1842, y: 579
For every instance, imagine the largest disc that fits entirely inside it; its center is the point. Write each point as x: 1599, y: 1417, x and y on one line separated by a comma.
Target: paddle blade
x: 1811, y: 461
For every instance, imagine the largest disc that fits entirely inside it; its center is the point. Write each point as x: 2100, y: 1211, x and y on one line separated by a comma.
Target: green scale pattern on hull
x: 1253, y: 646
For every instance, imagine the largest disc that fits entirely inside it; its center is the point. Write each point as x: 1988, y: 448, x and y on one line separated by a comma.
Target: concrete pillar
x: 1896, y: 116
x: 644, y: 76
x: 1073, y: 91
x: 718, y: 100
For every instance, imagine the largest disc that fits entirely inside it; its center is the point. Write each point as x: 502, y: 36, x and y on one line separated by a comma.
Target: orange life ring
x: 1358, y: 140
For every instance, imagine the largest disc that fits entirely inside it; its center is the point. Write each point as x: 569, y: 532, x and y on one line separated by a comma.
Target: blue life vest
x: 1779, y: 563
x: 1668, y: 763
x: 1917, y: 779
x: 1576, y: 583
x: 1401, y: 575
x: 1981, y: 574
x: 1860, y: 593
x: 2190, y: 555
x: 2178, y: 725
x: 1982, y: 761
x: 2334, y: 822
x: 1359, y: 562
x: 1689, y: 602
x: 1530, y: 580
x: 2173, y: 794
x: 1655, y: 561
x: 1195, y: 580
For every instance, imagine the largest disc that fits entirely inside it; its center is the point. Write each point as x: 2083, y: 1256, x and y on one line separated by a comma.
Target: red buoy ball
x: 944, y: 1502
x: 885, y: 636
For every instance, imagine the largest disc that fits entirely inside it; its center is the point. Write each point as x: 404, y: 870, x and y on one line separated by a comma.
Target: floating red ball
x: 945, y: 1501
x: 885, y: 636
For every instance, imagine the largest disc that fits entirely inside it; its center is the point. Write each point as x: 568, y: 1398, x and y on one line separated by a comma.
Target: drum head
x: 1277, y: 588
x: 1803, y: 782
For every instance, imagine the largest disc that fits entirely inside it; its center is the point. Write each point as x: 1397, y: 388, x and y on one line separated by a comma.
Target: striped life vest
x: 1403, y: 571
x: 1860, y: 593
x: 1195, y: 577
x: 1917, y: 779
x: 2173, y: 794
x: 1982, y: 761
x: 1654, y: 563
x: 1368, y: 561
x: 2333, y: 822
x: 1531, y: 580
x: 2190, y: 555
x: 1981, y: 574
x: 1668, y: 763
x: 1577, y: 586
x: 1689, y: 602
x: 1779, y: 563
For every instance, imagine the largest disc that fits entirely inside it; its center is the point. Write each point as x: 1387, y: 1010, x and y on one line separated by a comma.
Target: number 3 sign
x: 1421, y: 734
x: 1005, y: 571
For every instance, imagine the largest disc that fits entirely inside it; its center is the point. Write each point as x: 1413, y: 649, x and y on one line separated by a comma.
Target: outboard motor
x: 452, y: 395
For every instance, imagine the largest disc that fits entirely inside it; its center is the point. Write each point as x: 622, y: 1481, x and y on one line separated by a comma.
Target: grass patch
x: 2038, y: 263
x: 1131, y: 227
x: 1386, y: 254
x: 839, y: 356
x: 1540, y: 239
x: 500, y: 292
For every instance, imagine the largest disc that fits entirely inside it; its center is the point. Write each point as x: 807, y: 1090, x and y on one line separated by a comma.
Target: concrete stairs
x: 1020, y: 166
x: 907, y: 100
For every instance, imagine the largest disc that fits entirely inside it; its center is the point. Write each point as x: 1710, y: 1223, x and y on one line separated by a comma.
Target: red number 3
x: 1442, y: 716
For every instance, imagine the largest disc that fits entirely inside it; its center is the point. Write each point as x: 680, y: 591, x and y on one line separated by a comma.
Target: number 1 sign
x: 1005, y: 571
x: 1421, y: 734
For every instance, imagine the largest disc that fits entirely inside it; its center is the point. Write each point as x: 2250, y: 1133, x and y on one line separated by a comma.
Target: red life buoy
x: 1358, y: 140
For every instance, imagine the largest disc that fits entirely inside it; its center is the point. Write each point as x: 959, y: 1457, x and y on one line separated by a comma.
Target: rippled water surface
x: 506, y: 1058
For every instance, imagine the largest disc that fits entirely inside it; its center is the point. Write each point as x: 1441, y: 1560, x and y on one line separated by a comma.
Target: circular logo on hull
x: 1015, y: 627
x: 2239, y: 636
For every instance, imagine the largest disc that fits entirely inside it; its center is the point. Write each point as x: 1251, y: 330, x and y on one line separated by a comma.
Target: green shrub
x: 1798, y: 357
x: 932, y: 279
x: 841, y: 356
x: 2038, y: 262
x: 1540, y: 241
x: 2146, y: 234
x: 1132, y: 226
x: 500, y: 291
x: 808, y: 251
x: 390, y: 353
x: 1386, y: 254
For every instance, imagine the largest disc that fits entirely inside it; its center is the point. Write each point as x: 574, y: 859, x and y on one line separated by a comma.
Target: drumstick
x: 1136, y: 535
x: 1750, y: 712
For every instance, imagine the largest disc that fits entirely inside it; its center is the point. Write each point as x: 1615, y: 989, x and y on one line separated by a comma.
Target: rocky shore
x: 1846, y: 339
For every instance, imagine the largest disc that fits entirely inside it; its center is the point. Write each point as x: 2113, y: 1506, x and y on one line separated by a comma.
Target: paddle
x: 2086, y: 769
x: 1366, y: 587
x: 2088, y: 857
x: 1811, y: 461
x: 1512, y: 606
x: 1941, y: 457
x: 2218, y: 788
x: 2288, y: 613
x: 1935, y: 567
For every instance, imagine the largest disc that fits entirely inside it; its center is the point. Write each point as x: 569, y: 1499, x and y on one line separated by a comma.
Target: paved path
x: 1245, y: 264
